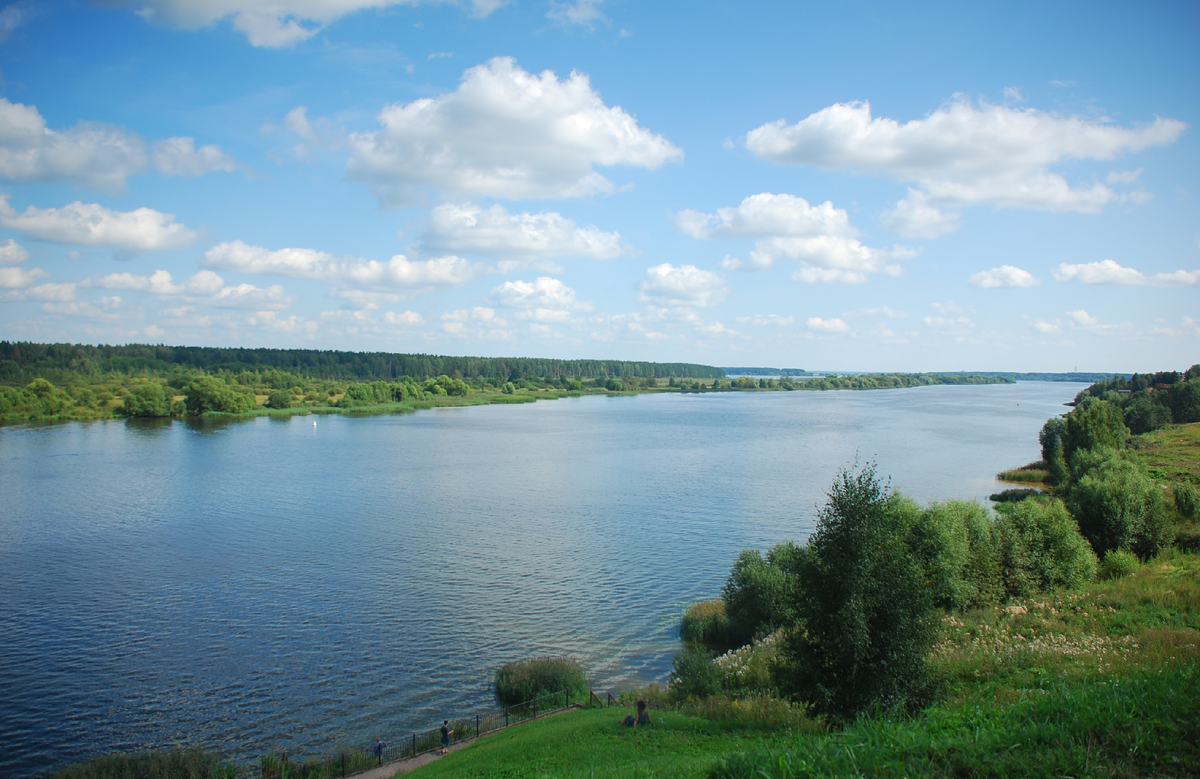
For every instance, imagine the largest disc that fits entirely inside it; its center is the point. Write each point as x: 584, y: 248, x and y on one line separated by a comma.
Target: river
x: 269, y: 583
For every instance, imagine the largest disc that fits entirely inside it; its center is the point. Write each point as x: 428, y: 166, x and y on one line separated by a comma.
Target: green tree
x: 756, y: 597
x: 956, y: 545
x: 1041, y: 548
x: 1118, y: 506
x: 1184, y: 401
x: 865, y: 611
x: 1051, y: 439
x: 279, y: 399
x: 1142, y: 414
x: 208, y: 393
x: 1094, y: 424
x: 146, y: 400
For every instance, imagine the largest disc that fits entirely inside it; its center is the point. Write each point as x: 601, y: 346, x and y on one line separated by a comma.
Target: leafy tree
x: 279, y: 399
x: 1051, y: 439
x: 756, y: 597
x: 146, y: 400
x: 1118, y: 506
x: 1142, y: 414
x: 694, y: 675
x: 614, y: 385
x: 956, y: 545
x: 1187, y: 500
x: 1041, y: 548
x: 207, y: 393
x: 1093, y: 424
x: 865, y: 611
x: 1184, y: 401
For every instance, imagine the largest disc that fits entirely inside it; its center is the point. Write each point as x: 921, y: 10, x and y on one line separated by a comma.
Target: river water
x: 274, y: 584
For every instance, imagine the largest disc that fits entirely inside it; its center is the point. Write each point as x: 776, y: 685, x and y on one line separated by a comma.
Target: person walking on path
x: 446, y: 731
x: 379, y: 745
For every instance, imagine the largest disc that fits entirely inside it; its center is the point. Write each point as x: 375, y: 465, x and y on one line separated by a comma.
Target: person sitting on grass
x: 642, y: 718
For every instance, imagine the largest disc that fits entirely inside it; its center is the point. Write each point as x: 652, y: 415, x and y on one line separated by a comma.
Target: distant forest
x: 21, y: 362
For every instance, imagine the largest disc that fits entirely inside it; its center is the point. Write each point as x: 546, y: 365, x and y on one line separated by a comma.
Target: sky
x: 853, y: 186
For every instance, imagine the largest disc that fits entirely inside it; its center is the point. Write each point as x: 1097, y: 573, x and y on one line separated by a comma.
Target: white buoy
x: 314, y: 423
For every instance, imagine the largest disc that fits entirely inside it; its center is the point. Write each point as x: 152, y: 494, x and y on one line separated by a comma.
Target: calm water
x: 269, y: 584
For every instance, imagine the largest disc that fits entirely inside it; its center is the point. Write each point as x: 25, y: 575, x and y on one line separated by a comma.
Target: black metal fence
x: 349, y: 762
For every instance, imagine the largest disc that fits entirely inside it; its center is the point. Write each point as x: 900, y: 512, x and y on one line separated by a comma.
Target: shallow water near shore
x: 264, y: 584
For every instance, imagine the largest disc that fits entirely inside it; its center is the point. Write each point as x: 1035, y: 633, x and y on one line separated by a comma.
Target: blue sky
x: 843, y: 187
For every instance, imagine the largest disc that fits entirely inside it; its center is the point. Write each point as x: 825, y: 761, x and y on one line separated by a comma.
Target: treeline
x: 865, y: 381
x: 1149, y: 401
x: 21, y: 362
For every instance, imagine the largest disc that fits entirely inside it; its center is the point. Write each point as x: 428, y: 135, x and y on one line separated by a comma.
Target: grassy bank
x: 1102, y: 681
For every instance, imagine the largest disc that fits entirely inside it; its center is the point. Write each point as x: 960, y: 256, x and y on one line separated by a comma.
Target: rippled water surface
x: 268, y: 583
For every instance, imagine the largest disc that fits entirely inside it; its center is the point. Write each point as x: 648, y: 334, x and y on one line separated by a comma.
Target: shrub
x: 208, y: 393
x: 864, y: 606
x: 1118, y: 563
x: 614, y: 385
x: 705, y: 623
x: 1014, y: 495
x: 1184, y: 401
x: 146, y: 400
x: 1187, y: 500
x: 525, y: 680
x: 1041, y: 549
x: 1118, y: 506
x: 279, y: 399
x: 955, y: 543
x: 755, y: 596
x: 1051, y: 439
x: 1143, y: 415
x: 694, y: 676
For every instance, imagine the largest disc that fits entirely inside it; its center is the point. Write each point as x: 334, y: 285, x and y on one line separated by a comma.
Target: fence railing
x: 350, y: 762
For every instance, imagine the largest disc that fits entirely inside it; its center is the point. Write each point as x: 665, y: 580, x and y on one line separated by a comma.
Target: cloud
x: 271, y: 23
x: 883, y: 311
x: 160, y: 283
x: 249, y: 296
x: 17, y: 278
x: 406, y: 319
x: 545, y: 299
x: 582, y: 12
x: 817, y: 324
x: 399, y: 272
x: 180, y: 157
x: 51, y: 292
x: 686, y: 285
x: 90, y: 224
x: 820, y: 237
x: 949, y: 324
x: 494, y: 232
x: 761, y: 320
x: 1111, y: 272
x: 1004, y: 276
x: 91, y: 154
x: 961, y: 154
x: 914, y: 217
x: 478, y: 322
x: 14, y: 17
x: 12, y: 253
x: 503, y: 133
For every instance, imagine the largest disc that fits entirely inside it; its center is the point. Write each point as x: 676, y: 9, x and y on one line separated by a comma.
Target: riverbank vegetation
x: 53, y: 382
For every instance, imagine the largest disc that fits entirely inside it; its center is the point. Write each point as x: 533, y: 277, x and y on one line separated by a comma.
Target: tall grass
x: 173, y: 764
x: 523, y: 681
x: 705, y: 622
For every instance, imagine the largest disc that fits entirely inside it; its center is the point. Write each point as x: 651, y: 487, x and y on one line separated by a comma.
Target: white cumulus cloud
x: 1004, y: 276
x: 91, y: 154
x: 820, y: 237
x: 272, y: 23
x: 90, y: 224
x: 18, y: 278
x: 961, y: 154
x: 685, y: 285
x: 761, y: 320
x: 1112, y: 272
x: 503, y: 133
x: 543, y: 294
x: 817, y: 324
x: 12, y: 253
x: 494, y: 232
x: 298, y: 263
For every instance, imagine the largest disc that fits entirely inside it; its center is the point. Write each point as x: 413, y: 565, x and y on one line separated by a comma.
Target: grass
x: 1103, y: 681
x: 173, y: 764
x: 594, y: 743
x: 1171, y: 454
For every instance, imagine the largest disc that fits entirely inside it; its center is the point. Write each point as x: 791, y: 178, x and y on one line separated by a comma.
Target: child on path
x: 446, y: 731
x: 379, y: 745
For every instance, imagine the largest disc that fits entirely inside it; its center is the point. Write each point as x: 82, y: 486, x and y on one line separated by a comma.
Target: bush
x: 1041, y: 549
x: 955, y: 543
x: 1051, y: 439
x: 1118, y: 563
x: 705, y: 622
x: 864, y: 606
x: 523, y: 681
x: 1015, y: 494
x: 279, y: 399
x: 694, y: 676
x: 1187, y: 500
x: 756, y: 598
x: 208, y: 393
x: 614, y: 385
x: 1118, y: 506
x: 1143, y: 415
x: 146, y: 400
